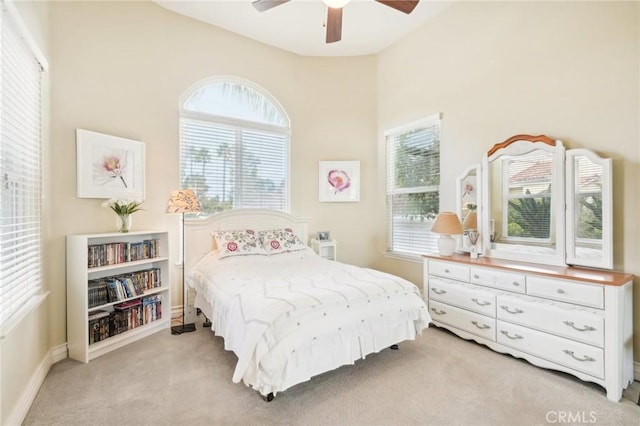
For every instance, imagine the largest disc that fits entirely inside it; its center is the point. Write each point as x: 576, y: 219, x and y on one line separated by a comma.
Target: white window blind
x: 21, y: 165
x: 413, y: 181
x: 588, y: 201
x: 233, y: 162
x: 527, y: 197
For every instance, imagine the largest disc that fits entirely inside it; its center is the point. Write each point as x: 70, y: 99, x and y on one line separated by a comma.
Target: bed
x: 287, y: 313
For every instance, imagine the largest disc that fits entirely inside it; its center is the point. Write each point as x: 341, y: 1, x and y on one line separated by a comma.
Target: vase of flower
x: 124, y: 209
x: 124, y: 222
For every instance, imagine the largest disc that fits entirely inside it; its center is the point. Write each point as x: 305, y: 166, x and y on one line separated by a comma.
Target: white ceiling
x: 297, y: 26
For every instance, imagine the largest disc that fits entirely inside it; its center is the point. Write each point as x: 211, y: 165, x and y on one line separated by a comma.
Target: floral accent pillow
x: 238, y: 243
x: 283, y: 240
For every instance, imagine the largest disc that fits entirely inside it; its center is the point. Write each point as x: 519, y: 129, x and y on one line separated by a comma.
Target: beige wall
x: 120, y: 68
x: 569, y: 70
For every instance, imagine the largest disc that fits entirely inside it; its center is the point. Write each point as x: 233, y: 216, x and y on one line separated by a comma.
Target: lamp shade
x: 183, y: 201
x: 447, y: 223
x: 471, y: 221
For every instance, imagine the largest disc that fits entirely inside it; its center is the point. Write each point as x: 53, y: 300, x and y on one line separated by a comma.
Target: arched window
x: 234, y: 146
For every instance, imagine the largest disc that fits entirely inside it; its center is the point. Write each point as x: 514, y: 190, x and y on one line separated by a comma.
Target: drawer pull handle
x: 516, y: 337
x: 515, y: 311
x: 584, y: 358
x: 438, y: 312
x: 446, y: 271
x: 437, y: 291
x: 476, y: 276
x: 516, y: 283
x: 573, y: 325
x: 483, y: 303
x: 560, y: 291
x: 481, y: 327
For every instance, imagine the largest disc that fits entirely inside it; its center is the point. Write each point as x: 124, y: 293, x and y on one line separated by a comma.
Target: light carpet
x: 438, y: 379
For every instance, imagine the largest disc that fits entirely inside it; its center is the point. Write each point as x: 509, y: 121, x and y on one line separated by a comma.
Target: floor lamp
x: 183, y: 201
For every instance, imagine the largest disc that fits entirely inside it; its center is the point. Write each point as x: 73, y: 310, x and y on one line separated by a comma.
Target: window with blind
x: 527, y: 196
x: 234, y: 147
x: 413, y: 182
x: 21, y: 165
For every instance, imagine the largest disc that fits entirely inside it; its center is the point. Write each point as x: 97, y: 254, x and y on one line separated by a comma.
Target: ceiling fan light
x: 336, y: 4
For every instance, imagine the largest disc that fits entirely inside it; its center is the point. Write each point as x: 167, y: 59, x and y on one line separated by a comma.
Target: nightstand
x: 326, y: 249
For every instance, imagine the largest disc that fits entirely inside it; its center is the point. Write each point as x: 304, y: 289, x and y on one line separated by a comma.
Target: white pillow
x: 241, y: 242
x: 282, y: 240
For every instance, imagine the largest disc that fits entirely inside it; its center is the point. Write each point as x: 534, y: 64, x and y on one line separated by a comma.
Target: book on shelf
x: 112, y: 289
x: 99, y: 326
x: 122, y: 252
x: 124, y: 317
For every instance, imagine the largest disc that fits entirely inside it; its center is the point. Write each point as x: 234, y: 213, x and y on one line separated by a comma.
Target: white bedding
x: 294, y: 315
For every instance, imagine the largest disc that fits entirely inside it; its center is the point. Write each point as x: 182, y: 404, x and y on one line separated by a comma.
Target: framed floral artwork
x: 109, y: 166
x: 339, y: 181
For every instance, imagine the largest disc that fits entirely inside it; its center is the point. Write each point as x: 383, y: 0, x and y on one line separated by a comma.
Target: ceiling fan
x: 334, y: 12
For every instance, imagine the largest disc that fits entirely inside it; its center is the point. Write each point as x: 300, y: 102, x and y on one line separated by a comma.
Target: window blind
x: 21, y: 165
x: 232, y: 166
x: 413, y: 181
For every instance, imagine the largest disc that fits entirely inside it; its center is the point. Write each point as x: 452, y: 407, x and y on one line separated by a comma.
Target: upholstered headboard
x: 197, y: 232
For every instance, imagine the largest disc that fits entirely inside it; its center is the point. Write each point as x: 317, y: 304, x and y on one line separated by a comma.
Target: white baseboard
x: 21, y: 409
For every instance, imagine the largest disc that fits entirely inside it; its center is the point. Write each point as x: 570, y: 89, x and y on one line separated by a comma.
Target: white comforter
x: 291, y: 316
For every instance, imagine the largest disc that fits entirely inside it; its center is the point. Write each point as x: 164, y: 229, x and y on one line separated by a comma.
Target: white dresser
x: 570, y: 319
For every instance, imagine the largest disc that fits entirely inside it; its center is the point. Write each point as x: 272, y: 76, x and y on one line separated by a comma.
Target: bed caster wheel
x: 394, y: 347
x: 269, y: 397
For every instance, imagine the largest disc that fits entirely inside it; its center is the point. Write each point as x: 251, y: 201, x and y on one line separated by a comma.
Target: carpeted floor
x: 439, y: 379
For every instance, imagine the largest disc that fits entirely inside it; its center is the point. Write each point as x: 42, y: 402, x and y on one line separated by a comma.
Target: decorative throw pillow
x: 237, y: 243
x: 283, y: 240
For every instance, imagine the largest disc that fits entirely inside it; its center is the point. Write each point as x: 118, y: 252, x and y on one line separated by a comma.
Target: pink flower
x: 232, y: 246
x: 339, y: 180
x: 274, y: 244
x: 114, y: 168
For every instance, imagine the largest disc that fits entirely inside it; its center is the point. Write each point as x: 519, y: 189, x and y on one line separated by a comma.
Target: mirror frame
x: 462, y: 244
x: 519, y: 145
x: 606, y: 260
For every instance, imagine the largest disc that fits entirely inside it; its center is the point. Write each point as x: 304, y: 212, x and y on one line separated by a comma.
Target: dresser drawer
x: 470, y: 322
x: 449, y: 270
x: 503, y: 280
x: 574, y: 355
x: 465, y: 296
x: 566, y: 291
x: 580, y: 324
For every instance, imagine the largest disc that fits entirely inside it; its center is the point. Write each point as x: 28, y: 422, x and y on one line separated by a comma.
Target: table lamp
x: 447, y: 224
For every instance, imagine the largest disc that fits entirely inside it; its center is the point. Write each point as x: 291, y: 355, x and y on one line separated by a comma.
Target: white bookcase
x: 80, y: 272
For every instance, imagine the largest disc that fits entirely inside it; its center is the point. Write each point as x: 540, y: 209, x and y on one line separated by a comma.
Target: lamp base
x: 185, y: 328
x: 446, y: 245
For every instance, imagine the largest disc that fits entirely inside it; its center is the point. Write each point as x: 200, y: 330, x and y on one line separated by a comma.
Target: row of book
x: 114, y: 253
x: 124, y: 317
x: 124, y: 286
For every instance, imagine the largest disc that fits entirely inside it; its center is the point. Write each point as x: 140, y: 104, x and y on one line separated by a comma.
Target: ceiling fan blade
x: 262, y: 5
x: 334, y: 24
x: 405, y: 6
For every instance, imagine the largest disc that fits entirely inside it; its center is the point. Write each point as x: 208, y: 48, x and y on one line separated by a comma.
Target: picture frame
x: 339, y: 181
x: 323, y: 236
x: 109, y: 166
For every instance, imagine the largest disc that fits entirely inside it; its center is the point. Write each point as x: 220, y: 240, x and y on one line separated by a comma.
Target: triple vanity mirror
x: 536, y: 202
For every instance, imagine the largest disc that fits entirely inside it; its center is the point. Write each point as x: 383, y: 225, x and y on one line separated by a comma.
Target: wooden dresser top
x: 596, y: 276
